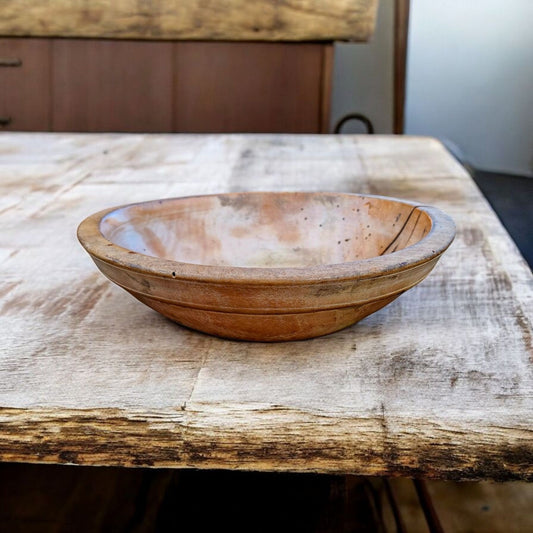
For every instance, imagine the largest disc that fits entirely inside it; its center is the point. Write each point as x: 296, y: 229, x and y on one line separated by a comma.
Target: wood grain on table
x: 437, y: 384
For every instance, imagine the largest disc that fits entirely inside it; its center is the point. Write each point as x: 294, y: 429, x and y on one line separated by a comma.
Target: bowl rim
x: 429, y: 248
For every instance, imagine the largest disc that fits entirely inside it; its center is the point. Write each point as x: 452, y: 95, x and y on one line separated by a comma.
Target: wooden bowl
x: 267, y: 266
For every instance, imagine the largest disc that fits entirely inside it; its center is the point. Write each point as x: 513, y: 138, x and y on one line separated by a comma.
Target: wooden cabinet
x: 95, y: 85
x: 247, y: 87
x: 104, y: 85
x: 25, y: 88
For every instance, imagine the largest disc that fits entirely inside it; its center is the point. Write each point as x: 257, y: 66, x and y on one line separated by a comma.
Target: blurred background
x: 469, y: 79
x: 468, y: 82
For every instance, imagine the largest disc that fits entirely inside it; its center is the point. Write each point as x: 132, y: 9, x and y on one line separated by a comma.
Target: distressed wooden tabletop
x: 437, y: 384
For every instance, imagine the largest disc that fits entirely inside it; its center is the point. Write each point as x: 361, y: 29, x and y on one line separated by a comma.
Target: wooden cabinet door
x: 109, y: 85
x: 25, y: 84
x: 251, y: 87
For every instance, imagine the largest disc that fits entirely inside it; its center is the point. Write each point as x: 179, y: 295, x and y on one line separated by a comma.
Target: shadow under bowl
x: 267, y: 266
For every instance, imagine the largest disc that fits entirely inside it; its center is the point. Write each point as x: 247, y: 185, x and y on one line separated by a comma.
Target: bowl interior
x: 267, y: 229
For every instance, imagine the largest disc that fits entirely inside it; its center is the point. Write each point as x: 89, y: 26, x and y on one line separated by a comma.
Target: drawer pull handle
x: 5, y: 121
x: 10, y: 62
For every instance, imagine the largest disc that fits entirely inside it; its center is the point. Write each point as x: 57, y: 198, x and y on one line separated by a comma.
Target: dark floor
x: 77, y: 499
x: 512, y: 199
x: 64, y: 499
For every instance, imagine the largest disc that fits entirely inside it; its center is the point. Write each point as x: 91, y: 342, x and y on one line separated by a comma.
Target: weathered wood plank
x: 228, y: 20
x: 439, y: 383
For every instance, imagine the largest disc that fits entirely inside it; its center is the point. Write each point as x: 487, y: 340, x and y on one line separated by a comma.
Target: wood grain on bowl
x: 267, y: 266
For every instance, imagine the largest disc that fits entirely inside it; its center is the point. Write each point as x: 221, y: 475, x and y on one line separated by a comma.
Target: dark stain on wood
x: 68, y: 457
x: 471, y: 235
x: 390, y: 447
x: 402, y: 363
x: 525, y: 328
x: 7, y: 287
x: 78, y: 301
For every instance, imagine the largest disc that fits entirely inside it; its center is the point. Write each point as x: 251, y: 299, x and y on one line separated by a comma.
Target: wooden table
x: 437, y: 384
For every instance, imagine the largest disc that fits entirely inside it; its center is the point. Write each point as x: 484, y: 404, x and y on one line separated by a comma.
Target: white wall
x: 363, y: 76
x: 470, y: 79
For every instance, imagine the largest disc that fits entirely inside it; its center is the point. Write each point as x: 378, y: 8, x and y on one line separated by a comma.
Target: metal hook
x: 355, y: 116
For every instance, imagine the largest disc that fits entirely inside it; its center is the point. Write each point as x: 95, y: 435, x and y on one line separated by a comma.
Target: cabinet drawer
x: 25, y: 84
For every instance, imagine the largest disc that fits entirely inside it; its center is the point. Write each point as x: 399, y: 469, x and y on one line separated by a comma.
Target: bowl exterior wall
x: 265, y: 298
x: 266, y: 312
x: 265, y: 302
x: 263, y: 327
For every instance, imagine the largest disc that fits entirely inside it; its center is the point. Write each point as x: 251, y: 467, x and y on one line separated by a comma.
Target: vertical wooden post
x: 401, y: 26
x: 325, y: 88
